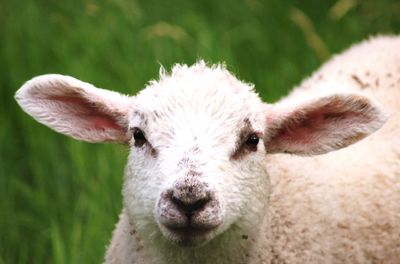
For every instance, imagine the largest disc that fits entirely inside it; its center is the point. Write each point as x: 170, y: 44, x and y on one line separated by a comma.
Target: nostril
x: 190, y: 207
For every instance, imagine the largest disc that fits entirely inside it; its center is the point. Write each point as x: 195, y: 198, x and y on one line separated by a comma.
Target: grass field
x: 59, y: 198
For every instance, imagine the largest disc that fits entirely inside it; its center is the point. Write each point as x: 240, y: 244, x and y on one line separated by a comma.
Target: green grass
x: 59, y: 198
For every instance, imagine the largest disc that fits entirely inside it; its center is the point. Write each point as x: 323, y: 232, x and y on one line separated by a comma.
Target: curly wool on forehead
x: 202, y: 73
x: 199, y: 85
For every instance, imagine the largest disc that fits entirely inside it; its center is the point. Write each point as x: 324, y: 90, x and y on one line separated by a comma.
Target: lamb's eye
x: 252, y: 141
x: 139, y: 137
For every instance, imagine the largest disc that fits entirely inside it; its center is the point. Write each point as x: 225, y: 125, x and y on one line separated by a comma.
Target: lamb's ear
x: 321, y: 125
x: 76, y: 108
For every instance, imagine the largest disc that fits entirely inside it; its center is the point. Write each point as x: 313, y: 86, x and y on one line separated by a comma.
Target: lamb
x: 215, y: 175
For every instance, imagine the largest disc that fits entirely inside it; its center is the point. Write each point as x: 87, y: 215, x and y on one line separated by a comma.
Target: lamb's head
x: 196, y: 165
x: 198, y: 140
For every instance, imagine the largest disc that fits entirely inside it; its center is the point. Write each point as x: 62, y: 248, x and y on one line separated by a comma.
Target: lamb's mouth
x: 189, y: 235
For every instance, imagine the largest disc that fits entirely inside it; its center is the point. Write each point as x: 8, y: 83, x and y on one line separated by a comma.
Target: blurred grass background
x: 59, y: 198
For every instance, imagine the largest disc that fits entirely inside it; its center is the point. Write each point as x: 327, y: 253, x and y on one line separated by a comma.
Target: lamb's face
x: 196, y: 163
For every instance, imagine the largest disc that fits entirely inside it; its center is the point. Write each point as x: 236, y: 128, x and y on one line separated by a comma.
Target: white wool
x: 339, y: 207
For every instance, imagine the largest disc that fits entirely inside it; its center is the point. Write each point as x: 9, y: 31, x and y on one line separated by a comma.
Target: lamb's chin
x: 188, y: 237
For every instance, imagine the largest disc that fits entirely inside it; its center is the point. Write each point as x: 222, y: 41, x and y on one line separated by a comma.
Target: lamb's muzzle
x: 189, y: 212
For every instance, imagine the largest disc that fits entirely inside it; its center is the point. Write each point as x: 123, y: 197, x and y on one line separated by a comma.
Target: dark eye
x: 252, y: 141
x: 139, y: 137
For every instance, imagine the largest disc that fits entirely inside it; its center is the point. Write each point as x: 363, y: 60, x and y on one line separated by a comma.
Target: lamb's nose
x: 189, y: 203
x: 191, y: 206
x: 190, y: 196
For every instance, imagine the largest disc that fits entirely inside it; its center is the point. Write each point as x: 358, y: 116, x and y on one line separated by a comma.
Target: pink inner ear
x: 304, y: 131
x: 104, y: 122
x: 303, y: 128
x: 91, y: 113
x: 297, y: 129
